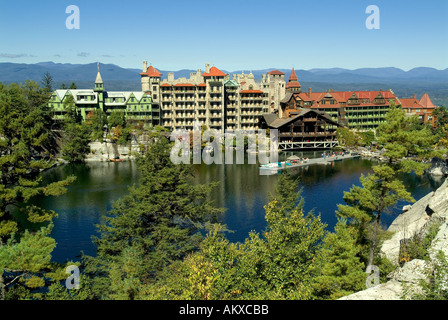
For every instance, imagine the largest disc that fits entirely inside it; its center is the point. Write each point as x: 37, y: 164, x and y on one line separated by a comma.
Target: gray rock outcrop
x: 409, y: 277
x: 439, y: 167
x: 429, y: 211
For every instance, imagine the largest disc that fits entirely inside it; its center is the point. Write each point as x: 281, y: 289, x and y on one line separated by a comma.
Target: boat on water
x: 116, y: 160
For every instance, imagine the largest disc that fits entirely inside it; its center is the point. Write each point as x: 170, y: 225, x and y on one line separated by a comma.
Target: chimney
x: 309, y: 92
x: 145, y: 66
x: 414, y: 96
x: 207, y: 68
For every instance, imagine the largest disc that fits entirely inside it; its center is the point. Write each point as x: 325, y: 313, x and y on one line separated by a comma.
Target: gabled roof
x: 151, y: 72
x: 287, y: 97
x: 411, y: 103
x: 231, y: 83
x: 279, y: 122
x: 426, y: 102
x: 214, y: 72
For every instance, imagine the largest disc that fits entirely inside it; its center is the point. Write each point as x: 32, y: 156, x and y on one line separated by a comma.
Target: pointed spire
x: 293, y: 76
x: 426, y: 101
x: 98, y: 78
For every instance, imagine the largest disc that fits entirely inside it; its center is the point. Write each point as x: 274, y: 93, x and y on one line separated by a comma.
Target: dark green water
x: 242, y: 191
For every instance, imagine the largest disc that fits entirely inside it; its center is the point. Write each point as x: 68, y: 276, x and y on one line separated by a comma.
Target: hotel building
x: 221, y: 102
x: 212, y: 98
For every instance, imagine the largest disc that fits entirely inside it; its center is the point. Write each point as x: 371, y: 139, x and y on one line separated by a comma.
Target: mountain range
x: 404, y: 83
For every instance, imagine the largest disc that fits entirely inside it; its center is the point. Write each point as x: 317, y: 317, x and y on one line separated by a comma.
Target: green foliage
x: 76, y: 134
x: 47, y: 82
x: 418, y: 245
x: 275, y: 265
x: 367, y: 137
x: 157, y: 223
x: 402, y: 137
x: 435, y: 284
x: 441, y: 115
x: 339, y: 271
x: 116, y: 118
x: 95, y: 121
x: 26, y: 148
x: 347, y: 137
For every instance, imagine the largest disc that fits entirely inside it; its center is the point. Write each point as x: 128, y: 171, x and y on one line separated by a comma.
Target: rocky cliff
x: 431, y: 210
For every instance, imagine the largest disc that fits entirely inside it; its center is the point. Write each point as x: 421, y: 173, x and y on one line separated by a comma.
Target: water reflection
x: 242, y: 191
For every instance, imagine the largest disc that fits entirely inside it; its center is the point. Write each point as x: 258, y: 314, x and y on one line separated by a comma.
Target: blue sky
x: 231, y: 34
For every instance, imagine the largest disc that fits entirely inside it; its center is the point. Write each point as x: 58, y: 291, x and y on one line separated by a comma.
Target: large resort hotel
x: 218, y: 101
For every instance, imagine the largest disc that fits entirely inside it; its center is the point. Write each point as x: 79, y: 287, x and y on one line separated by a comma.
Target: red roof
x: 165, y: 85
x: 293, y: 85
x: 344, y: 96
x: 411, y: 103
x: 293, y: 76
x: 251, y: 91
x: 184, y: 85
x: 426, y: 102
x: 276, y: 72
x: 202, y: 85
x: 214, y: 72
x: 151, y: 72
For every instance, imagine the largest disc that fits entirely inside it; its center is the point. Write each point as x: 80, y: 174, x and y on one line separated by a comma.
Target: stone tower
x: 293, y: 84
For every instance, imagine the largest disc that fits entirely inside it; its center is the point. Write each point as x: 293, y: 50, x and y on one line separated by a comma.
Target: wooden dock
x: 270, y: 170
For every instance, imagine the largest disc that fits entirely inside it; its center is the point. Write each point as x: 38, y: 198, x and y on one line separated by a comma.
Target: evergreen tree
x: 26, y: 147
x: 76, y: 134
x: 339, y: 271
x: 47, y: 82
x: 156, y: 224
x: 275, y: 265
x: 406, y: 143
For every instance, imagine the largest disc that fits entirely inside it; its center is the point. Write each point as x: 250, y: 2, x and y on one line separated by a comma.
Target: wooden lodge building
x: 308, y: 120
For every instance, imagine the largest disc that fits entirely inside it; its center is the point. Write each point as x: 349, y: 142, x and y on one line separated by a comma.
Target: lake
x: 242, y: 191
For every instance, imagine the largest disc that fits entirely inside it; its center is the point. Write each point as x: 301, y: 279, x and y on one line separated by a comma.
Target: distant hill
x: 404, y: 83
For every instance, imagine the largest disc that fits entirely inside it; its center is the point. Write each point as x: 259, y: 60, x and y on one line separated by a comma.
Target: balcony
x: 309, y: 119
x: 307, y: 134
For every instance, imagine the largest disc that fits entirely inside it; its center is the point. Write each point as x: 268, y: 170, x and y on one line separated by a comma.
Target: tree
x: 73, y: 86
x: 26, y: 147
x: 339, y: 271
x: 76, y: 134
x: 275, y: 265
x: 47, y: 82
x: 406, y: 143
x: 157, y: 223
x: 96, y: 120
x: 116, y: 118
x: 441, y: 116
